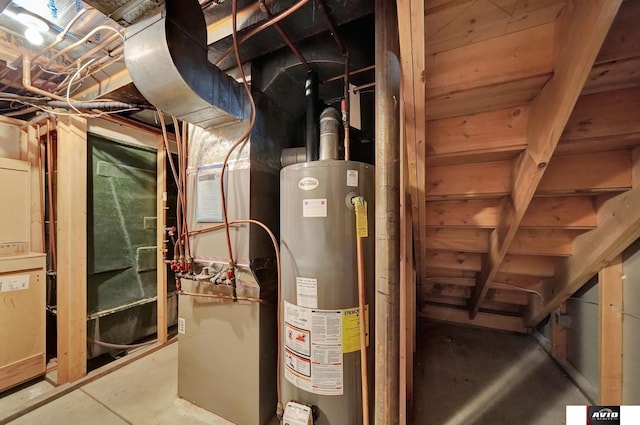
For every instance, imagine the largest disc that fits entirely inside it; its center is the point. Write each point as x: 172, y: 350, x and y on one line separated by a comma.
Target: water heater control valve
x: 297, y: 414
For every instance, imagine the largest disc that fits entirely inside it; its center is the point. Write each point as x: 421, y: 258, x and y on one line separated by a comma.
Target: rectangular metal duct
x: 166, y: 56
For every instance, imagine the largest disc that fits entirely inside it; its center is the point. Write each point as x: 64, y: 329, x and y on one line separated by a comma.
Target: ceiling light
x: 33, y: 36
x: 35, y: 28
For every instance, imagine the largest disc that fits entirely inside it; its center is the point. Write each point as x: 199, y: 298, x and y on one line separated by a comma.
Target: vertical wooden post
x: 71, y: 199
x: 161, y: 219
x: 407, y: 287
x: 37, y: 185
x: 558, y: 335
x: 610, y: 289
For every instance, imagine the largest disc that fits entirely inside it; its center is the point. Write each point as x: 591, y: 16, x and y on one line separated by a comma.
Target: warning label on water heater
x: 313, y: 349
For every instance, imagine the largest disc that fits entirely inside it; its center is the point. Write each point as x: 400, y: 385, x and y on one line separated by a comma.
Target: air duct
x: 166, y: 56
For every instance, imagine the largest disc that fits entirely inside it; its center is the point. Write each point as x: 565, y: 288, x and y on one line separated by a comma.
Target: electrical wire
x: 610, y: 305
x: 77, y: 74
x: 519, y: 288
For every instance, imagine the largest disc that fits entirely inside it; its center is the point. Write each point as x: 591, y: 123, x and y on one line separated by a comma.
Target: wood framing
x: 558, y: 335
x: 161, y: 219
x: 610, y: 343
x: 71, y: 201
x: 411, y: 26
x: 619, y: 227
x: 580, y: 32
x: 460, y: 316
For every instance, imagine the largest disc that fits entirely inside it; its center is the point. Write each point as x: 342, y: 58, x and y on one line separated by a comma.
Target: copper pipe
x: 363, y: 333
x: 345, y: 54
x: 284, y: 36
x: 26, y: 82
x: 262, y: 27
x: 224, y: 297
x: 363, y: 87
x: 90, y: 53
x: 355, y: 72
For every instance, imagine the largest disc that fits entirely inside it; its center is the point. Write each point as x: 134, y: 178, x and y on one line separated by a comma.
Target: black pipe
x: 312, y: 128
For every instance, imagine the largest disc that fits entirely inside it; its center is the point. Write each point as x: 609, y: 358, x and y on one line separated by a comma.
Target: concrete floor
x: 463, y: 376
x: 143, y: 392
x: 466, y: 376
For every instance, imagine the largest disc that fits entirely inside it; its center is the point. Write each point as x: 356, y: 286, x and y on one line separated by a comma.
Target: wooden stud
x: 37, y: 189
x: 610, y: 343
x: 582, y: 30
x: 558, y: 335
x: 161, y: 219
x: 71, y: 201
x: 410, y: 15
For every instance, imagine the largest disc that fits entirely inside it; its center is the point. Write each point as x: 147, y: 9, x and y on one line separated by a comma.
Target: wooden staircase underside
x: 522, y: 137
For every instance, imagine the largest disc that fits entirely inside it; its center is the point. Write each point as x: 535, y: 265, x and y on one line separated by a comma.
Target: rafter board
x: 615, y: 75
x: 438, y: 272
x: 553, y: 242
x: 484, y: 320
x: 488, y: 179
x: 494, y: 131
x: 582, y: 29
x: 467, y: 240
x: 515, y: 56
x: 619, y: 226
x: 470, y: 23
x: 496, y: 307
x: 604, y: 115
x: 485, y: 98
x: 623, y: 39
x: 510, y: 296
x: 453, y: 260
x: 569, y: 212
x: 528, y: 265
x: 587, y: 172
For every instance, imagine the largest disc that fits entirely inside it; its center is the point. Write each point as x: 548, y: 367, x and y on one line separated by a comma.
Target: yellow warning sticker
x: 351, y: 329
x: 362, y: 226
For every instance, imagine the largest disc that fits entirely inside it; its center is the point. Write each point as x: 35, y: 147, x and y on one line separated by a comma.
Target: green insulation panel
x: 121, y: 225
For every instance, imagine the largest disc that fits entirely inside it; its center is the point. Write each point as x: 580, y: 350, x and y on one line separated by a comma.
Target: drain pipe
x: 312, y: 133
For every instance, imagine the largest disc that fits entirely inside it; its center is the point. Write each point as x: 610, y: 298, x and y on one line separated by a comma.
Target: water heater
x: 319, y: 320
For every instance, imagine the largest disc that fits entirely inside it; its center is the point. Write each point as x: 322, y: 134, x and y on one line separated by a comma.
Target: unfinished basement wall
x: 9, y: 141
x: 631, y: 325
x: 583, y: 335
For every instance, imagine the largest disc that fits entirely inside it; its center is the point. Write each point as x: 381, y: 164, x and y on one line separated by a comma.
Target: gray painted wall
x: 582, y: 336
x: 631, y: 325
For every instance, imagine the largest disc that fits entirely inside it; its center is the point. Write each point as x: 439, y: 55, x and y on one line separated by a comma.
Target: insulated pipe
x: 387, y: 215
x: 312, y: 133
x: 329, y: 122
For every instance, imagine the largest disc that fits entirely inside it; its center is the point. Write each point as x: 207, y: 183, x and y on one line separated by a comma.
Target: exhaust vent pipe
x: 166, y: 56
x: 329, y: 125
